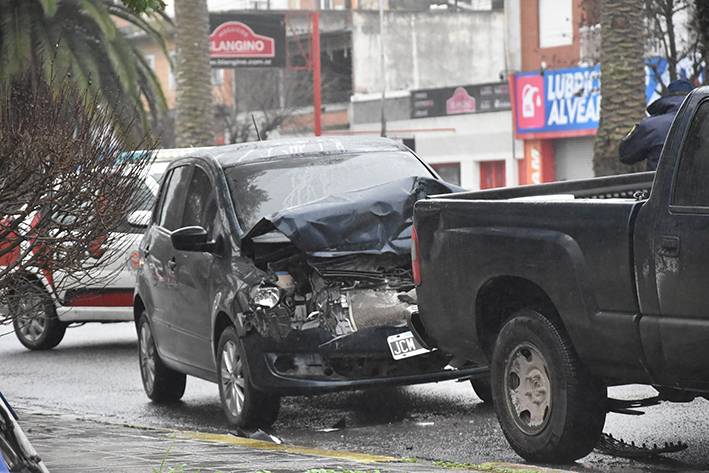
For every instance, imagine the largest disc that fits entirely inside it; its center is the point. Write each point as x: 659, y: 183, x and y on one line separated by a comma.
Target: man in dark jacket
x: 645, y: 141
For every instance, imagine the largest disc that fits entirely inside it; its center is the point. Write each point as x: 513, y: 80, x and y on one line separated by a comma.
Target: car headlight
x: 266, y: 297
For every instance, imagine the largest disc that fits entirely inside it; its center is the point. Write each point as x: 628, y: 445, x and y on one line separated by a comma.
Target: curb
x: 71, y: 445
x: 264, y: 445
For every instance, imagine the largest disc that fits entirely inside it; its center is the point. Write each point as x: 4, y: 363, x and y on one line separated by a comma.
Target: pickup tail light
x: 415, y: 256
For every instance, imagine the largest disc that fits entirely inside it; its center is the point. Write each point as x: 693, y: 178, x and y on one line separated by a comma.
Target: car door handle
x: 669, y: 246
x: 146, y: 251
x: 172, y: 264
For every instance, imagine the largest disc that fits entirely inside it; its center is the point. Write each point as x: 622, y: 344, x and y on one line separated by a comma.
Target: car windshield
x: 263, y: 188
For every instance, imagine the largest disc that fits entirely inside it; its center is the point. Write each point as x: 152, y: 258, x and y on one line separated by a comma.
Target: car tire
x: 482, y: 389
x: 34, y: 317
x: 550, y: 408
x: 243, y: 405
x: 161, y: 384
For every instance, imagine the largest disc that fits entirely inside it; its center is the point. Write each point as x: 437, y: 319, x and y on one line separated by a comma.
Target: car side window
x: 691, y: 188
x: 157, y: 210
x: 200, y: 206
x: 174, y: 191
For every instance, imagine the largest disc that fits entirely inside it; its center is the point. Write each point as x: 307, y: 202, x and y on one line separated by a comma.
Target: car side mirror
x: 139, y: 218
x: 192, y: 239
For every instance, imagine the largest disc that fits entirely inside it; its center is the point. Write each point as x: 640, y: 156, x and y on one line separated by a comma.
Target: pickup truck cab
x: 566, y: 288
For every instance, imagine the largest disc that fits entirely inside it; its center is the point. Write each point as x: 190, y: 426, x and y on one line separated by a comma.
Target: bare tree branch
x: 67, y: 183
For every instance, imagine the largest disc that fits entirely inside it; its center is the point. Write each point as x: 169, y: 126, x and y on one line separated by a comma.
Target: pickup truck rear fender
x: 487, y: 282
x: 499, y: 298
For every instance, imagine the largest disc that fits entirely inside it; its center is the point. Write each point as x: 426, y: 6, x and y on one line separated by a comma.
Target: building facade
x: 556, y: 93
x: 445, y: 87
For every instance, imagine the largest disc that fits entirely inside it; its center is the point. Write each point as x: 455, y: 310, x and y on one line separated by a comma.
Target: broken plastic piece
x: 261, y: 435
x: 620, y: 406
x: 620, y: 448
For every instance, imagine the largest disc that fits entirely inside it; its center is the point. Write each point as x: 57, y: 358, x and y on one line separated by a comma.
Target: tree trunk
x: 701, y: 12
x: 623, y: 100
x: 193, y: 108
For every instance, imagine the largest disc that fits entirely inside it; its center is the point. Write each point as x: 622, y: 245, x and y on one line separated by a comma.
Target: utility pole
x: 382, y: 65
x: 317, y: 98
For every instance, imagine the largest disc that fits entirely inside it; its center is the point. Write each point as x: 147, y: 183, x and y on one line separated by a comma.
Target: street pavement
x: 73, y: 445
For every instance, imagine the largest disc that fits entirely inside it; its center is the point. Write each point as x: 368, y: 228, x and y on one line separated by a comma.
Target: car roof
x: 254, y: 151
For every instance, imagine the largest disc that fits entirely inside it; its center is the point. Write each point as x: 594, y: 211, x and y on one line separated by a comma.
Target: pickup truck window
x: 691, y: 186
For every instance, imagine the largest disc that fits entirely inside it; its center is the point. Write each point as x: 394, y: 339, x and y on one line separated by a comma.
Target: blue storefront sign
x: 556, y: 104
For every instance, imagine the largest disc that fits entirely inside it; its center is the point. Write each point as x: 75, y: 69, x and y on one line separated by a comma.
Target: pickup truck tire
x: 34, y: 318
x: 243, y: 405
x: 482, y: 389
x: 550, y: 408
x: 161, y: 384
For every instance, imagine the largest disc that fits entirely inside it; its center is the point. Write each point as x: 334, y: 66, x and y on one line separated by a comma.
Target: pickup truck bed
x: 502, y: 247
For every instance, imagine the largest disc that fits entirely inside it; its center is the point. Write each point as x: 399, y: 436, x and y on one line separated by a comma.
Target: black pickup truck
x: 563, y: 289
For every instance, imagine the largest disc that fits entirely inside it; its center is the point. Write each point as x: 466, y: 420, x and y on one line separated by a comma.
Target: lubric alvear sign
x: 560, y: 103
x: 247, y: 41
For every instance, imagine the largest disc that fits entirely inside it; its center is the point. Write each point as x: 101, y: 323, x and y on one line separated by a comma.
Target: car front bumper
x: 304, y: 365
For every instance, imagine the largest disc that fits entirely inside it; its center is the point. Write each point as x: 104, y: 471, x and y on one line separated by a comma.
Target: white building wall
x: 428, y: 49
x: 513, y: 35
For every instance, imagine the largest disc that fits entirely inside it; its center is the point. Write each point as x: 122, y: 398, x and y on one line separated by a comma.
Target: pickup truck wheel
x: 482, y: 389
x: 161, y: 384
x: 34, y: 318
x: 549, y: 406
x: 243, y: 405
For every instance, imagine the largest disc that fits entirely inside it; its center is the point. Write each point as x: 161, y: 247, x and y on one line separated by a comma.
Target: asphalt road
x: 94, y: 373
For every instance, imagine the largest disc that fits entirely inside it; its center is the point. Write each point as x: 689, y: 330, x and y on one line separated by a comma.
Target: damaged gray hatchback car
x: 280, y: 268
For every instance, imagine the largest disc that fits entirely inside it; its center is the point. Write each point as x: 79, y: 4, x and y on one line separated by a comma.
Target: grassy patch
x: 170, y: 469
x: 472, y: 466
x: 339, y: 470
x: 409, y: 460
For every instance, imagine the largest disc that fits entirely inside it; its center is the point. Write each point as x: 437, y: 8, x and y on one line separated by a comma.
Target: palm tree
x: 193, y: 108
x: 622, y: 81
x: 701, y: 26
x: 80, y: 38
x: 141, y: 6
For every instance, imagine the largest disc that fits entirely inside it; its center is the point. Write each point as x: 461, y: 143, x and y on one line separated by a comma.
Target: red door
x: 492, y: 174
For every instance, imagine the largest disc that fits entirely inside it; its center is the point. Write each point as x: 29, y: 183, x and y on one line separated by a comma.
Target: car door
x: 157, y: 249
x: 681, y: 256
x: 192, y: 302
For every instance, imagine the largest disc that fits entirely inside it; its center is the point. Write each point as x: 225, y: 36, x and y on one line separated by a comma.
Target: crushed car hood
x: 375, y: 220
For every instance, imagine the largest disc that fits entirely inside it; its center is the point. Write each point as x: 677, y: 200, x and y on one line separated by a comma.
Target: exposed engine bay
x: 342, y: 294
x: 329, y: 318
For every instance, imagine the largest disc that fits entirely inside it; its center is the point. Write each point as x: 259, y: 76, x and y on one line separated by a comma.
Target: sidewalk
x: 71, y: 445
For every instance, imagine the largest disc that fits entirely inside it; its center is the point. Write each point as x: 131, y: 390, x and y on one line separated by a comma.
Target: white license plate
x: 404, y: 345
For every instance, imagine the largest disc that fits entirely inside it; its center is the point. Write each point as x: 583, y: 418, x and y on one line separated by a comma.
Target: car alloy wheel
x: 147, y: 357
x: 232, y: 378
x: 34, y: 318
x: 161, y: 384
x: 244, y: 405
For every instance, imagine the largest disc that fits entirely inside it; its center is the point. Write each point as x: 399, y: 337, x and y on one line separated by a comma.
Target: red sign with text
x: 234, y: 39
